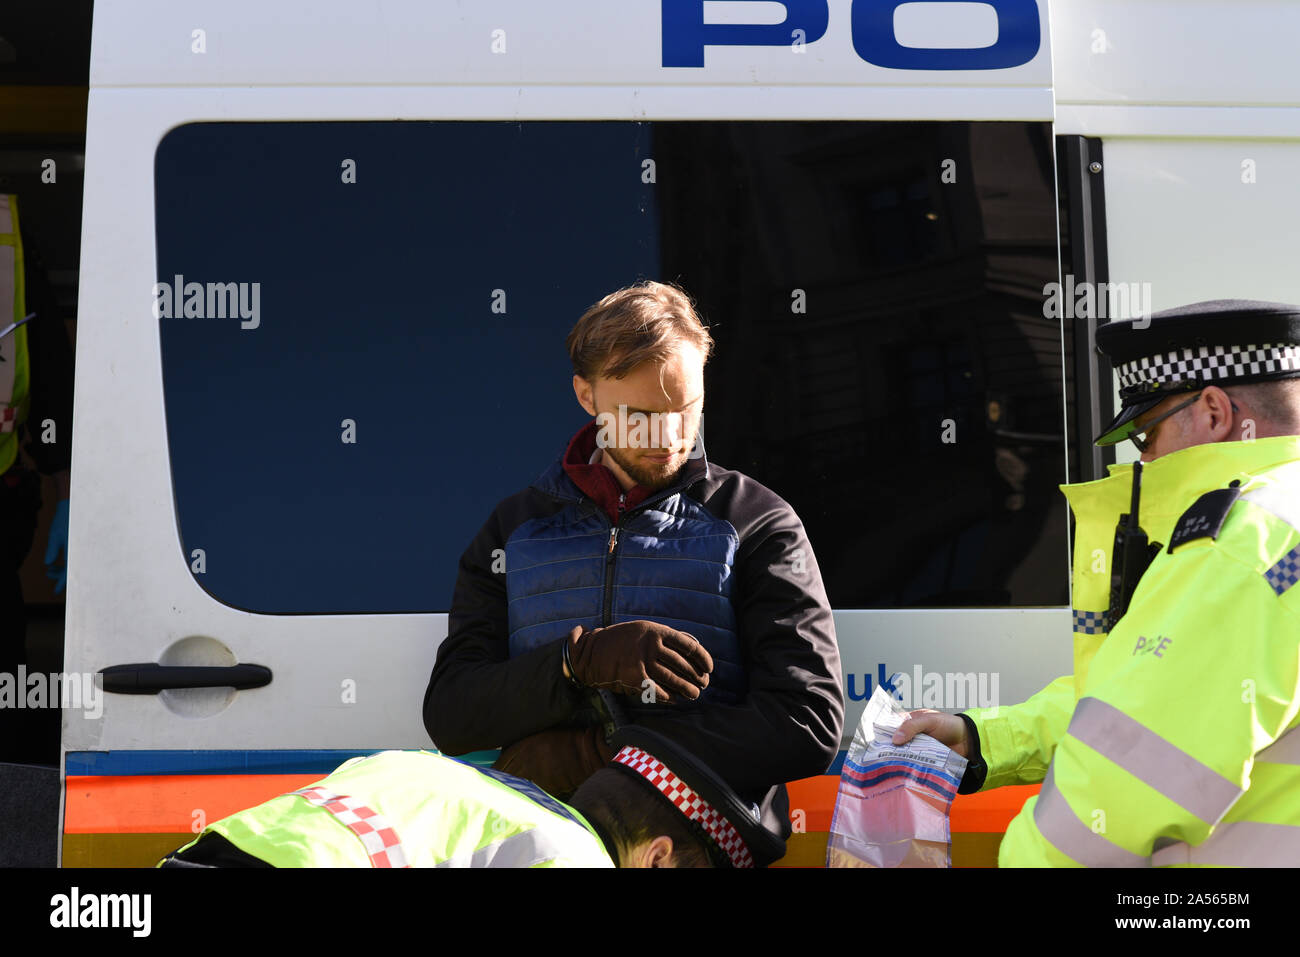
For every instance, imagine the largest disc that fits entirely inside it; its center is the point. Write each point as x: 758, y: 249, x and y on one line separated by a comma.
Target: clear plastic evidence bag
x: 893, y: 801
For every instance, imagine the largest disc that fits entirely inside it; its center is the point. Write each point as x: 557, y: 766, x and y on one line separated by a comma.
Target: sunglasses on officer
x: 1144, y: 436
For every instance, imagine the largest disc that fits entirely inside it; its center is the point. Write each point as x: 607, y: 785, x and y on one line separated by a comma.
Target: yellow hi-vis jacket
x: 1176, y: 739
x: 415, y: 809
x: 15, y: 374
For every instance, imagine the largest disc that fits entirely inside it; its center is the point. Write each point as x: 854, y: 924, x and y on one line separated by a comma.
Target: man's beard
x: 650, y: 474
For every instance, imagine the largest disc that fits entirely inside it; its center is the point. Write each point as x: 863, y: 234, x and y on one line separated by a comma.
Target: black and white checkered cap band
x: 722, y: 831
x: 1206, y: 364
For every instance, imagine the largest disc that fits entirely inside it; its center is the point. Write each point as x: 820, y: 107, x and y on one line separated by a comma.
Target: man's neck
x: 625, y: 482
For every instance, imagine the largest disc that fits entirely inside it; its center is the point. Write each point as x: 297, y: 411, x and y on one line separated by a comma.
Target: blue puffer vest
x: 667, y: 560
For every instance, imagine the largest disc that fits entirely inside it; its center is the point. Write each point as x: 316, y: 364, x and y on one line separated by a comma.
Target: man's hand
x: 622, y: 658
x: 946, y: 728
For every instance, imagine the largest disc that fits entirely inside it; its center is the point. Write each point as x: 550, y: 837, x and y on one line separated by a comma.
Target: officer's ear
x: 1215, y: 414
x: 659, y: 852
x: 656, y: 852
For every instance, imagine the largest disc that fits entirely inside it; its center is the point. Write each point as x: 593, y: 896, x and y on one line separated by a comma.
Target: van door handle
x: 150, y: 678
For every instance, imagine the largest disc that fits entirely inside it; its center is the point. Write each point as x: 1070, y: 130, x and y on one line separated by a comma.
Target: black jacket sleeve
x: 478, y: 696
x: 790, y: 723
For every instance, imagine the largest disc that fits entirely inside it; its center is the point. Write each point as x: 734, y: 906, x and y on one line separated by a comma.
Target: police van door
x: 331, y: 253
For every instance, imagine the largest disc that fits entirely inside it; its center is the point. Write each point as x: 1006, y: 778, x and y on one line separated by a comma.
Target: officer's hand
x: 945, y: 728
x: 58, y: 542
x: 622, y: 658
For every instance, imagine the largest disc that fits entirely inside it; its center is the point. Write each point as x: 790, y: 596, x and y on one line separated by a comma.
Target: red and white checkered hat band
x: 381, y: 842
x: 723, y: 833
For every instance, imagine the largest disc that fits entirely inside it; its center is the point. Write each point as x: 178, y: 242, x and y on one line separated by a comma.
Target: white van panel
x: 1013, y: 653
x: 1180, y: 217
x: 1200, y: 122
x: 1185, y: 52
x: 413, y: 43
x: 137, y: 597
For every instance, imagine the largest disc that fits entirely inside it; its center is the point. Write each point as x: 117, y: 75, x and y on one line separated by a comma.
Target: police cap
x: 1222, y: 342
x: 730, y: 828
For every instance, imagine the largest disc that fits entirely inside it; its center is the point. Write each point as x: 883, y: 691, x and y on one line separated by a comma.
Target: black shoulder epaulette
x: 1206, y: 516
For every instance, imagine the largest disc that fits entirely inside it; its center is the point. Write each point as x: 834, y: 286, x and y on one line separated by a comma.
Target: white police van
x: 331, y: 251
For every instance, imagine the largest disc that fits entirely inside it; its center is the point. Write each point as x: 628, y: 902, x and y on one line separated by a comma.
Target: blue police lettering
x: 685, y: 34
x: 1018, y: 39
x: 882, y: 676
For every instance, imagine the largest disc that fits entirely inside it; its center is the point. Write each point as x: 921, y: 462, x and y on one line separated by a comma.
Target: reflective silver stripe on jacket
x: 518, y: 850
x: 1238, y: 844
x: 1285, y: 750
x: 1246, y: 843
x: 1278, y: 493
x: 1153, y: 760
x: 1059, y: 825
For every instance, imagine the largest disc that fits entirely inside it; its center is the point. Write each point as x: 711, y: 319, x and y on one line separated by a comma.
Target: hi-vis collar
x: 1174, y: 481
x: 1170, y: 484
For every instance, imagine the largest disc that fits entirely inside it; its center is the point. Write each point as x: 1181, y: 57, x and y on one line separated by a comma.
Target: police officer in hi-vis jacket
x: 654, y: 805
x: 1175, y: 741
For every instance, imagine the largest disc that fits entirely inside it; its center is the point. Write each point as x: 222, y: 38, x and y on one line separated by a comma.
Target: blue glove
x: 54, y: 568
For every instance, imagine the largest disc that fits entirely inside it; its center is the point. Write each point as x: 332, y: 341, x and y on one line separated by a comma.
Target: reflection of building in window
x: 923, y: 303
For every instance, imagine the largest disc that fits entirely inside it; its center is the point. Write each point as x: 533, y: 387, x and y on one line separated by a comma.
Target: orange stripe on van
x: 159, y: 805
x: 985, y: 812
x: 978, y: 822
x: 816, y: 798
x: 151, y: 804
x: 990, y: 811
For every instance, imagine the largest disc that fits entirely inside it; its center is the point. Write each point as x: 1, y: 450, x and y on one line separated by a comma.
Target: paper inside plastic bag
x: 893, y: 801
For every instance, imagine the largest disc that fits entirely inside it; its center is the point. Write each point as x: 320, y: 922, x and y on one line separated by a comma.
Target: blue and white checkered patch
x: 1286, y: 572
x: 1091, y: 622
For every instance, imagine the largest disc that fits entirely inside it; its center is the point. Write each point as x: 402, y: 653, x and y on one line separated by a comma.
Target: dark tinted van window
x: 363, y: 324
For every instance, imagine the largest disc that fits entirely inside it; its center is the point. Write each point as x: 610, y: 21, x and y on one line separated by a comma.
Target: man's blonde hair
x: 645, y: 322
